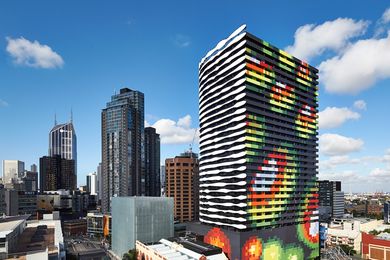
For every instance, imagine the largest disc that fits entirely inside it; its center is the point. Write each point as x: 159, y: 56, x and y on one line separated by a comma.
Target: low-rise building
x: 75, y: 227
x: 10, y: 230
x: 98, y: 225
x: 348, y: 231
x: 375, y: 247
x: 147, y: 219
x: 177, y: 249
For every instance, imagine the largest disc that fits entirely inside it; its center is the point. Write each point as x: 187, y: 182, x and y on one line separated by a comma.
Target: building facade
x: 331, y: 200
x: 56, y: 173
x: 386, y: 212
x: 147, y: 219
x: 123, y: 155
x: 63, y: 141
x: 258, y: 110
x: 92, y: 183
x: 181, y: 175
x: 12, y: 170
x: 152, y: 163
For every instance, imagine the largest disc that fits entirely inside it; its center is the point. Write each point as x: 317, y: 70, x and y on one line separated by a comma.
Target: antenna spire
x: 55, y: 118
x: 71, y: 115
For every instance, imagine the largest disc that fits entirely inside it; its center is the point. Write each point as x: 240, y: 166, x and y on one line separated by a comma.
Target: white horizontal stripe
x: 218, y: 178
x: 222, y: 190
x: 238, y: 226
x: 240, y: 212
x: 223, y: 184
x: 233, y: 148
x: 227, y: 170
x: 234, y: 119
x: 231, y: 156
x: 227, y: 197
x: 222, y: 217
x: 241, y: 161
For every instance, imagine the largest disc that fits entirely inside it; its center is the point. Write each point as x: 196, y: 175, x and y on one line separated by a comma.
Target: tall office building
x: 92, y: 183
x: 182, y: 173
x: 331, y: 200
x: 56, y: 173
x: 12, y: 170
x: 162, y: 180
x: 123, y: 155
x: 63, y: 141
x: 258, y: 151
x: 152, y: 163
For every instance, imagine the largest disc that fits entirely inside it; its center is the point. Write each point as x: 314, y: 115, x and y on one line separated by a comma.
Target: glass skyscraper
x: 123, y: 155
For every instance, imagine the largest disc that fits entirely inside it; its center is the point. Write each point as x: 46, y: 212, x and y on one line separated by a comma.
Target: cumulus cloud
x: 337, y: 160
x: 332, y: 117
x: 358, y: 68
x: 312, y: 40
x: 33, y: 54
x: 346, y: 176
x: 334, y: 144
x: 172, y: 132
x: 360, y: 104
x: 181, y: 40
x: 3, y: 103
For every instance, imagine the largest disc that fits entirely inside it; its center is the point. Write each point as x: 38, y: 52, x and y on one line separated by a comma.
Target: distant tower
x: 62, y: 146
x: 123, y: 154
x: 152, y: 163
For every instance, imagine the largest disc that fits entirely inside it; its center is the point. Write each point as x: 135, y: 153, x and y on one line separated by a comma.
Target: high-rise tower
x: 123, y: 155
x: 152, y: 163
x: 63, y: 141
x: 258, y: 150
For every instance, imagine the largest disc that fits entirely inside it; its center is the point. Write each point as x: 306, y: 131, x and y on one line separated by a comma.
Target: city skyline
x: 120, y: 51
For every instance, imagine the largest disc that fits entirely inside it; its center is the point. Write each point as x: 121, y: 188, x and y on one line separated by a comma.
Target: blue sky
x: 55, y: 56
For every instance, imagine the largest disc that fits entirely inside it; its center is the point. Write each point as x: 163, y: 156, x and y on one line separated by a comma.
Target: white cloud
x: 332, y: 117
x: 33, y: 54
x: 181, y: 40
x: 358, y: 68
x: 3, y: 103
x: 360, y: 104
x: 312, y: 40
x: 335, y: 161
x: 172, y: 132
x: 347, y: 176
x: 334, y: 144
x: 386, y: 16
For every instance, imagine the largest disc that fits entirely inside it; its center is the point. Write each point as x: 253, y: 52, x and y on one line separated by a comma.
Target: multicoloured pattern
x: 252, y: 249
x: 258, y: 137
x: 217, y: 238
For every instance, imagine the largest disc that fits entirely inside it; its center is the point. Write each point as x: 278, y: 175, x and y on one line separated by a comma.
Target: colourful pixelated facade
x: 258, y: 110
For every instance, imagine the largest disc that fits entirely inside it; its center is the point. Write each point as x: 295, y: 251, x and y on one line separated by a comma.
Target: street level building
x: 147, y: 219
